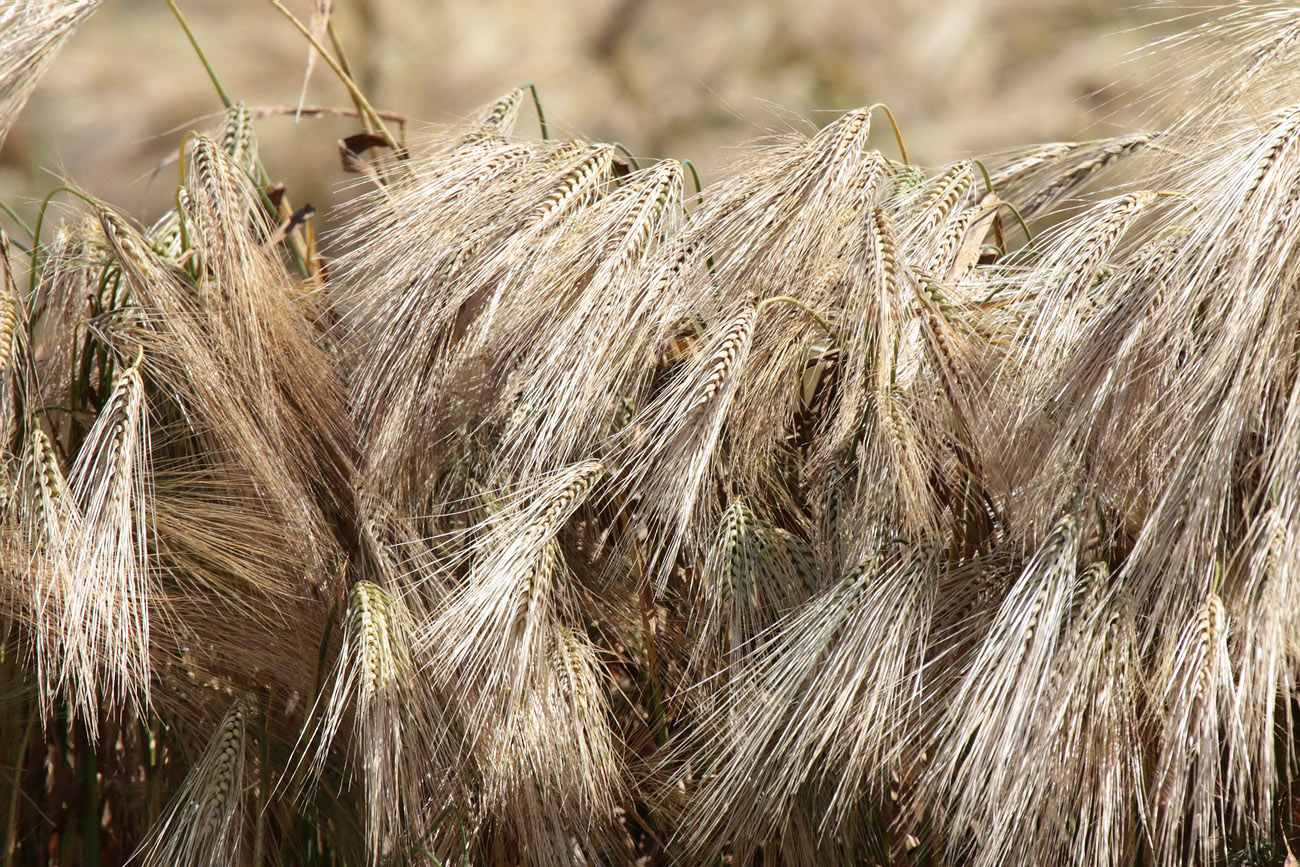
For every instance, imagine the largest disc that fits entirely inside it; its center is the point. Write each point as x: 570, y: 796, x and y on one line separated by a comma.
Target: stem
x: 541, y: 115
x: 11, y: 819
x: 984, y: 170
x: 658, y: 723
x: 40, y: 224
x: 263, y: 178
x: 13, y: 215
x: 347, y: 69
x: 699, y: 189
x: 263, y: 788
x: 898, y: 135
x: 88, y: 764
x: 1024, y: 227
x: 1015, y: 212
x: 812, y: 314
x: 151, y: 741
x: 648, y: 637
x: 203, y: 58
x: 622, y: 148
x: 355, y: 92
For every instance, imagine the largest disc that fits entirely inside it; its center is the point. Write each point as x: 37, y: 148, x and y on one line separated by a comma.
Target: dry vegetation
x: 557, y: 512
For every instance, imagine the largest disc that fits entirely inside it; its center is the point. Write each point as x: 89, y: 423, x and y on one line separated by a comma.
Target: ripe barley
x: 951, y: 189
x: 585, y: 176
x: 106, y: 624
x: 499, y: 117
x: 204, y: 822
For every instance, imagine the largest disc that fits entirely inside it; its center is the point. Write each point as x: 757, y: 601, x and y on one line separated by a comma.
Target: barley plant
x: 550, y: 510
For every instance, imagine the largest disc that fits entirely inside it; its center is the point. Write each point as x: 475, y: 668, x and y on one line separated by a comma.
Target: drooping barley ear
x: 240, y: 144
x: 629, y: 237
x: 948, y: 345
x: 1026, y: 162
x: 399, y: 745
x: 140, y: 263
x: 951, y: 190
x: 751, y: 578
x: 813, y: 722
x: 841, y: 140
x: 369, y: 610
x: 8, y: 308
x: 237, y: 138
x: 668, y: 449
x: 528, y: 727
x: 942, y: 262
x: 870, y: 318
x: 499, y: 117
x: 578, y: 680
x: 1054, y: 173
x: 11, y: 335
x: 45, y: 515
x: 1002, y: 696
x: 106, y: 621
x: 34, y: 31
x: 1198, y: 715
x: 204, y: 823
x: 233, y: 347
x: 897, y: 431
x: 1276, y: 46
x: 1284, y: 133
x: 364, y: 659
x: 219, y: 196
x: 1069, y: 290
x: 589, y: 350
x: 1098, y: 242
x: 168, y: 235
x: 545, y: 519
x: 583, y: 178
x: 721, y: 363
x: 1082, y: 756
x: 905, y: 181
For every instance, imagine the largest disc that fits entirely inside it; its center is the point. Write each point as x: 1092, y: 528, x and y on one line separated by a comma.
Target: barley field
x: 895, y: 481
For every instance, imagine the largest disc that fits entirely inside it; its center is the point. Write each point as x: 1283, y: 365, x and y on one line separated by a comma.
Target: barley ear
x: 204, y: 824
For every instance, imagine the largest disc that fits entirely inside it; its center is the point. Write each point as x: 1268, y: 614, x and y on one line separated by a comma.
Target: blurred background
x: 678, y: 78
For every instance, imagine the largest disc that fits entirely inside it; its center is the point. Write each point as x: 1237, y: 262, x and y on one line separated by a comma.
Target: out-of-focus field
x: 666, y: 78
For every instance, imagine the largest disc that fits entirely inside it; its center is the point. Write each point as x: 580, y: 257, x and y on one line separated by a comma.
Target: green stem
x: 13, y: 215
x: 15, y: 790
x: 1024, y: 227
x: 541, y: 115
x: 40, y: 224
x: 984, y: 170
x: 263, y: 179
x: 203, y: 58
x: 795, y: 302
x: 699, y: 188
x: 622, y: 148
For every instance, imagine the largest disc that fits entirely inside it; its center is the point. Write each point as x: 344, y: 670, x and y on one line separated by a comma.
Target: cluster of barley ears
x: 556, y: 512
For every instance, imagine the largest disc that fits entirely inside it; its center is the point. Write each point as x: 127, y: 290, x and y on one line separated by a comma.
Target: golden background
x: 664, y: 77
